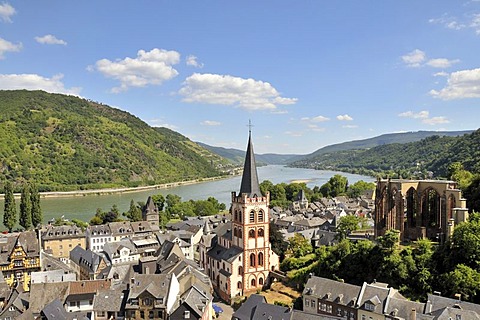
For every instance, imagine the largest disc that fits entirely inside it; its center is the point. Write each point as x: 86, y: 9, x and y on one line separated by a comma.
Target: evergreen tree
x: 134, y: 213
x: 25, y: 208
x: 10, y: 211
x: 37, y: 216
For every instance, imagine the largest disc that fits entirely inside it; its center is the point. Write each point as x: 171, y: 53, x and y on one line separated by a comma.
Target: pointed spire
x: 249, y: 183
x: 206, y: 227
x: 150, y: 206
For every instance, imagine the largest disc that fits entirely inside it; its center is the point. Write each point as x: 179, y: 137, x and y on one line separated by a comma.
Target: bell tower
x: 250, y: 225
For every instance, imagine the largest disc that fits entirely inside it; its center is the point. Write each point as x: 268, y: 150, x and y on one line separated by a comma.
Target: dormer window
x: 369, y: 306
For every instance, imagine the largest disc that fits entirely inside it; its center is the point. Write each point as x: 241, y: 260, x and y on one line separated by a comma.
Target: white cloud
x: 344, y: 117
x: 7, y: 46
x: 35, y: 82
x: 414, y: 58
x: 248, y: 94
x: 210, y: 123
x: 316, y: 119
x: 470, y: 21
x: 410, y: 114
x: 148, y: 68
x: 192, y: 61
x: 161, y: 123
x: 460, y: 85
x: 293, y: 134
x: 6, y: 12
x: 475, y: 23
x: 350, y: 126
x: 441, y: 63
x: 436, y: 120
x: 50, y: 39
x: 441, y: 74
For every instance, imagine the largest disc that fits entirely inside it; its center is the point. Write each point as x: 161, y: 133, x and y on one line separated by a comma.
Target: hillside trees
x: 10, y: 209
x: 25, y: 219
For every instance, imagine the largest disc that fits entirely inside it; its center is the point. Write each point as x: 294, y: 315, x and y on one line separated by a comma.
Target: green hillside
x: 64, y: 142
x: 415, y: 159
x: 389, y: 138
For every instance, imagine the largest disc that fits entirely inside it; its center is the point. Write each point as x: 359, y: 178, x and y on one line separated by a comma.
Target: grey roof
x: 402, y: 308
x: 219, y: 253
x: 112, y: 249
x: 62, y: 232
x: 250, y: 185
x: 109, y: 300
x: 49, y: 262
x: 100, y: 230
x: 247, y: 309
x: 54, y: 310
x: 449, y: 313
x: 86, y: 258
x: 300, y: 315
x: 42, y: 294
x: 141, y: 227
x: 196, y: 299
x: 156, y: 284
x: 121, y: 228
x: 438, y: 302
x: 331, y: 290
x: 266, y: 311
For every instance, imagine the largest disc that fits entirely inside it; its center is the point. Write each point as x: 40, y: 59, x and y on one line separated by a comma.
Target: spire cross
x: 250, y: 125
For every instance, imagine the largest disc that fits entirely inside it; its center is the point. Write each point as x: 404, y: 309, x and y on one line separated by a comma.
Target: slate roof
x: 85, y: 258
x: 247, y: 309
x: 141, y: 227
x: 436, y: 302
x: 109, y: 300
x: 101, y: 230
x: 219, y: 253
x: 112, y: 249
x: 300, y: 315
x: 121, y: 228
x: 331, y: 290
x: 54, y: 310
x: 156, y: 284
x: 51, y: 232
x: 42, y: 294
x: 196, y: 299
x: 249, y: 184
x: 49, y: 262
x: 449, y: 313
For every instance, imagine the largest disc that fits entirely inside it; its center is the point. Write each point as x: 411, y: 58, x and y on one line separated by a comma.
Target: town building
x: 237, y: 255
x: 60, y: 240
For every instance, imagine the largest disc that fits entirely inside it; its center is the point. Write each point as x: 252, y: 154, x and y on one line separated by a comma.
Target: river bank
x: 112, y: 191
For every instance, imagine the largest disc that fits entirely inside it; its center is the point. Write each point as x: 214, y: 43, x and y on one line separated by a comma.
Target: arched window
x: 260, y: 259
x: 235, y: 232
x: 239, y: 285
x: 253, y: 283
x: 260, y: 216
x: 252, y: 216
x: 240, y: 233
x: 236, y: 215
x: 260, y: 232
x: 239, y: 216
x: 240, y: 270
x: 260, y: 281
x: 251, y: 233
x: 252, y: 259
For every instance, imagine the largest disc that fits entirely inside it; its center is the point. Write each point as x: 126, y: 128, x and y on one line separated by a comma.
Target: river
x: 84, y: 207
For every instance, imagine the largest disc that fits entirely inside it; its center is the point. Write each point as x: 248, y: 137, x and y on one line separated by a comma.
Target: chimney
x: 413, y: 314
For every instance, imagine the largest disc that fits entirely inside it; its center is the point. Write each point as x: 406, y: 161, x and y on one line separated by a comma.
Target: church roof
x: 250, y: 183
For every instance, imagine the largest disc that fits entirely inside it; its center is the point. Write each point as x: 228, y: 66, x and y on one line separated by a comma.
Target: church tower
x: 250, y: 226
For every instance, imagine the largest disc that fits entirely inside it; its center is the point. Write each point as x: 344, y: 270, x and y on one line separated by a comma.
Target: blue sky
x: 307, y: 73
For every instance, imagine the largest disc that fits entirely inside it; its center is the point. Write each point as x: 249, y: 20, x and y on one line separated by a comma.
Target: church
x: 237, y: 255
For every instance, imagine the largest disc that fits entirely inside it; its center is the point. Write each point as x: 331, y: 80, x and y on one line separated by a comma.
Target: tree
x: 37, y: 216
x: 25, y: 208
x: 134, y: 213
x: 279, y: 245
x: 335, y: 186
x: 355, y: 190
x: 10, y: 209
x: 462, y: 280
x: 390, y: 240
x: 346, y: 225
x: 298, y: 246
x: 457, y: 173
x: 159, y: 201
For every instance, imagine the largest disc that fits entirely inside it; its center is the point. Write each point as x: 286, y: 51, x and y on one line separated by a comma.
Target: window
x: 150, y: 315
x: 364, y: 317
x: 147, y: 301
x: 323, y: 307
x: 236, y: 215
x: 252, y: 216
x: 369, y: 306
x: 101, y: 314
x: 307, y: 303
x: 252, y: 259
x: 72, y: 304
x: 260, y: 281
x: 329, y: 309
x: 260, y: 216
x: 235, y: 232
x: 251, y: 233
x: 260, y: 259
x: 240, y: 233
x: 186, y: 315
x: 313, y: 303
x: 260, y: 232
x: 253, y: 283
x: 239, y: 285
x: 240, y: 270
x: 142, y: 314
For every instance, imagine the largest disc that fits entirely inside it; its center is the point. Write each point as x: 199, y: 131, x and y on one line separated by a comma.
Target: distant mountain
x: 429, y: 156
x: 64, y: 142
x: 238, y: 156
x: 389, y: 138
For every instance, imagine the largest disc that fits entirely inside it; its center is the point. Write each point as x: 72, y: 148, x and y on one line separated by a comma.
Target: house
x: 60, y: 240
x: 19, y: 257
x: 256, y: 307
x: 120, y: 230
x: 109, y: 304
x: 81, y: 294
x: 97, y: 236
x: 151, y: 296
x: 87, y: 263
x: 122, y: 251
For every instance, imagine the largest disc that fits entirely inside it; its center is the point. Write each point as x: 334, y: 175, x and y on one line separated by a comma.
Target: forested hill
x: 415, y: 159
x: 64, y: 142
x: 402, y: 137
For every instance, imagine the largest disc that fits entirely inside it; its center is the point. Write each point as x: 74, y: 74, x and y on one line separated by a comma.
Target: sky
x: 307, y: 74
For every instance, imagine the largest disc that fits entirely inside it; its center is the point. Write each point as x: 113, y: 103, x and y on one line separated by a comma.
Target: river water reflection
x: 84, y: 207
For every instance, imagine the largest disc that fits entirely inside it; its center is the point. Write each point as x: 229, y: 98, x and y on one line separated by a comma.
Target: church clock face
x: 256, y: 208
